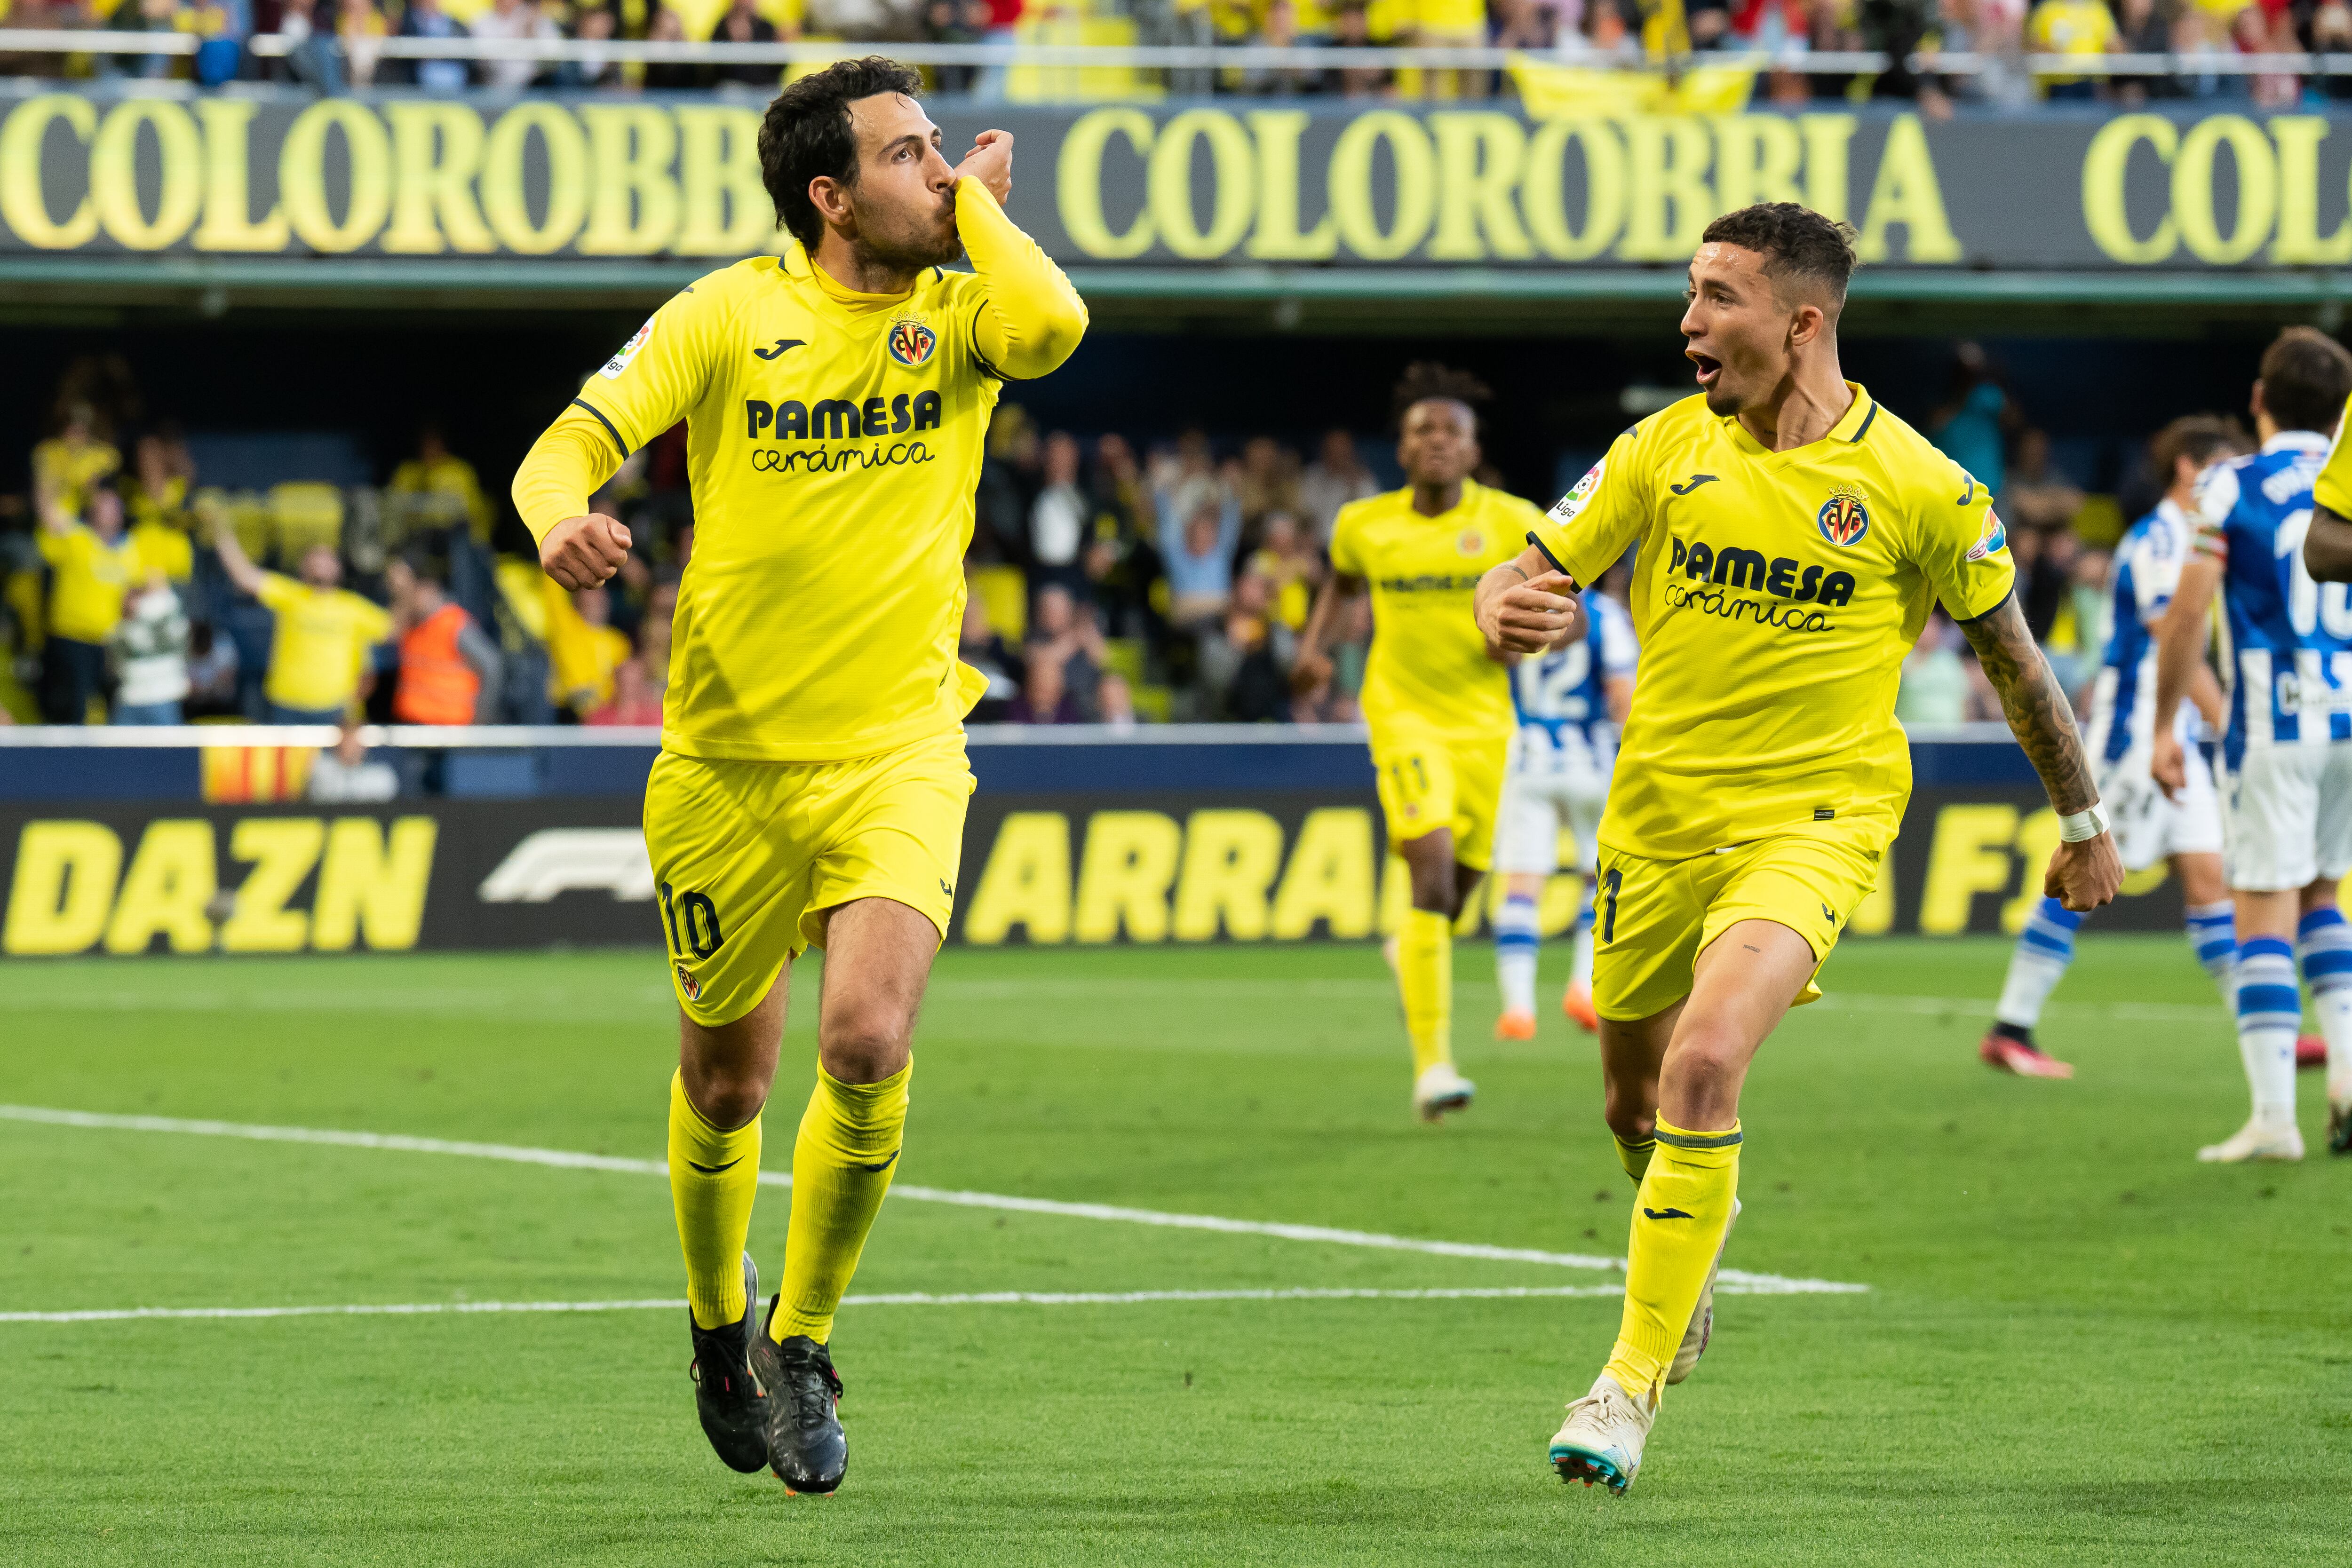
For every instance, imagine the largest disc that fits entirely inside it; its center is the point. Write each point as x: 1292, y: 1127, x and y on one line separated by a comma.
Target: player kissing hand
x: 2084, y: 875
x: 583, y: 552
x: 1529, y: 617
x: 990, y: 162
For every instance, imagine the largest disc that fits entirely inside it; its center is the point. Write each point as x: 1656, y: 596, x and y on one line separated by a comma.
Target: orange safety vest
x: 436, y: 685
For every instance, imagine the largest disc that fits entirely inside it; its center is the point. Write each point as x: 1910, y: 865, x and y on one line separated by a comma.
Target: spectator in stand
x: 1336, y: 477
x: 1117, y: 702
x: 1044, y: 698
x: 583, y: 647
x: 1008, y: 483
x: 1068, y: 634
x: 2331, y: 34
x: 212, y: 671
x: 1245, y: 658
x: 1004, y: 17
x: 2033, y: 493
x: 955, y: 22
x: 1898, y: 28
x: 1934, y: 689
x: 2083, y: 28
x: 362, y: 29
x: 635, y: 701
x: 425, y: 19
x: 1278, y: 29
x: 1197, y: 559
x: 449, y: 668
x: 743, y: 25
x: 345, y: 775
x: 1973, y: 426
x: 319, y: 649
x: 654, y: 631
x: 2141, y: 29
x: 1351, y: 28
x: 1294, y: 570
x: 1266, y: 481
x: 156, y: 498
x: 592, y: 24
x: 438, y: 489
x: 151, y: 655
x: 978, y: 646
x: 2274, y: 90
x: 516, y: 20
x: 1059, y: 516
x: 669, y: 76
x: 1452, y: 25
x: 91, y: 567
x: 71, y: 463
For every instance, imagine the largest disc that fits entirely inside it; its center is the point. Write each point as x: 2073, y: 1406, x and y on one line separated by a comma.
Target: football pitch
x: 2068, y: 1341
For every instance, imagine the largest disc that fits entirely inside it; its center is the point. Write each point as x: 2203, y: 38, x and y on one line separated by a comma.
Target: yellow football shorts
x: 1429, y: 779
x: 747, y: 857
x: 1651, y: 919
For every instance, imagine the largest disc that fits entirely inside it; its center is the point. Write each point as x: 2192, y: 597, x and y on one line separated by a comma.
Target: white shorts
x: 2289, y: 817
x: 2149, y: 827
x: 1536, y: 806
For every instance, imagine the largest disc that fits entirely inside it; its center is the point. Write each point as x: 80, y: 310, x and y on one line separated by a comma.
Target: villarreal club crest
x: 1844, y: 517
x: 912, y: 342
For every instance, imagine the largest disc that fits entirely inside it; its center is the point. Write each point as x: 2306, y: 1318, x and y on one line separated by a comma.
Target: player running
x: 1569, y: 701
x: 812, y: 783
x: 2287, y: 753
x: 2148, y: 825
x: 1792, y: 535
x: 1436, y: 694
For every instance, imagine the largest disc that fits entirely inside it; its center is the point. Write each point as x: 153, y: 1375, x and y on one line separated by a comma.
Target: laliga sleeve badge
x: 620, y: 361
x: 1573, y: 502
x: 1991, y: 541
x: 1844, y: 517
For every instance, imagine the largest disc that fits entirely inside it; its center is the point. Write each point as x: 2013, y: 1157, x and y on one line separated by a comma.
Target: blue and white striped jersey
x: 2288, y: 647
x: 2139, y: 586
x: 1561, y: 698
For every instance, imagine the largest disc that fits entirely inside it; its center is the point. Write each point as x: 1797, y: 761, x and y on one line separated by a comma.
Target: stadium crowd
x: 1110, y: 582
x: 337, y: 43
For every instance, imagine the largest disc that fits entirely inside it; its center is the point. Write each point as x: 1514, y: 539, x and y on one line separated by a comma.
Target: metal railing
x: 1187, y: 56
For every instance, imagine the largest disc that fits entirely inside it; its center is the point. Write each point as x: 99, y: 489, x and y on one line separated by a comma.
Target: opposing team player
x: 1568, y: 701
x: 2287, y: 752
x: 812, y: 783
x: 1792, y: 535
x: 1436, y: 694
x: 2149, y: 826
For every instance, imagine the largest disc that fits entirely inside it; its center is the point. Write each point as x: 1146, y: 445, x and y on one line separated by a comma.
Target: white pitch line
x: 569, y: 1160
x: 894, y: 1299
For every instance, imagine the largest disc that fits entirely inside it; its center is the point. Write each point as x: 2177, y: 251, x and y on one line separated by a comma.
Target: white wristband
x: 2087, y: 824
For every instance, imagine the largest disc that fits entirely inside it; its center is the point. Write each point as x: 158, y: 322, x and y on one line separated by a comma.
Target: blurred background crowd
x: 1113, y: 578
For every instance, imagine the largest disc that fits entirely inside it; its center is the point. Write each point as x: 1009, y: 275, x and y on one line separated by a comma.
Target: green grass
x: 2079, y: 1345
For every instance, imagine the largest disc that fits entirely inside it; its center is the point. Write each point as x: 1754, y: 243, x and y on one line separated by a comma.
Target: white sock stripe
x: 1099, y: 1211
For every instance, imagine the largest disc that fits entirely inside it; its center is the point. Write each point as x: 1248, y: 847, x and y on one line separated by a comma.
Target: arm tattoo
x: 2038, y: 712
x: 1512, y: 567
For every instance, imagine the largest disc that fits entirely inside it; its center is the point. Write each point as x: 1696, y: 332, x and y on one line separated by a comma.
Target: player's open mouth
x: 1710, y: 367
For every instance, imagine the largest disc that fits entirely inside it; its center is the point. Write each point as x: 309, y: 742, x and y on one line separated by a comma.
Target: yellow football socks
x: 841, y: 1164
x: 713, y: 1176
x: 1679, y: 1217
x: 1635, y: 1156
x: 1426, y: 982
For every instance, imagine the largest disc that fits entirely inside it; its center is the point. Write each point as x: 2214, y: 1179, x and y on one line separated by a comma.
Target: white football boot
x: 2257, y: 1140
x: 1440, y: 1090
x: 1702, y: 1323
x: 1601, y: 1440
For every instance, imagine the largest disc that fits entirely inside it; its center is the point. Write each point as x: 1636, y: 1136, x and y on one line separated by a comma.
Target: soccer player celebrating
x: 2148, y: 825
x: 812, y: 783
x: 1569, y: 701
x: 1435, y: 696
x: 2288, y: 749
x: 1792, y: 535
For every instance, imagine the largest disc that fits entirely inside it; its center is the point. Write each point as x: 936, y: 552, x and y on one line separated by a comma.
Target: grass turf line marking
x: 1752, y: 1283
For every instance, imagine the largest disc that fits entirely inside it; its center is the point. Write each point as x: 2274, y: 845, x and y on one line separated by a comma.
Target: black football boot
x: 734, y: 1417
x: 806, y: 1447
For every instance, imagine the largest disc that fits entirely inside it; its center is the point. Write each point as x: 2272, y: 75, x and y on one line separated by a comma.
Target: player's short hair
x: 2306, y: 375
x: 2200, y: 437
x: 806, y: 135
x: 1426, y: 378
x: 1795, y: 242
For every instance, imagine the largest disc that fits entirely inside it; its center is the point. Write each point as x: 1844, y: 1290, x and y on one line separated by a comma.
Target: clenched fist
x: 584, y: 552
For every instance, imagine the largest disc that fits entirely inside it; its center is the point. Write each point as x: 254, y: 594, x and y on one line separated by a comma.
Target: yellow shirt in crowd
x: 67, y: 472
x: 833, y: 445
x: 321, y: 642
x: 88, y: 580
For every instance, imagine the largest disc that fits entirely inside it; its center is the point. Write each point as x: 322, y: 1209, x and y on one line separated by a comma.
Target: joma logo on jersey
x: 1781, y: 576
x: 1844, y: 518
x: 912, y: 342
x: 839, y: 419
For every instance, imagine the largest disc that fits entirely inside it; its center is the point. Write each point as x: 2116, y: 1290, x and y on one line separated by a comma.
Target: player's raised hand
x: 2084, y: 875
x: 583, y: 552
x: 2168, y: 764
x: 990, y: 162
x: 1531, y: 616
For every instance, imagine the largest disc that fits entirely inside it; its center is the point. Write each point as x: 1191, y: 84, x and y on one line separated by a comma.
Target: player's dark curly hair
x: 2200, y: 437
x: 806, y: 135
x: 2306, y: 375
x: 1794, y: 241
x: 1426, y: 378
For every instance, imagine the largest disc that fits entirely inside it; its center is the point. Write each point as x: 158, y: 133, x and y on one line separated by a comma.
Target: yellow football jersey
x: 88, y: 579
x: 1429, y: 659
x: 833, y: 443
x: 2333, y: 489
x: 1776, y: 594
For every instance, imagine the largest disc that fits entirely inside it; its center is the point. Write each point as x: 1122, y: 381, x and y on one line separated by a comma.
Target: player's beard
x: 909, y: 246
